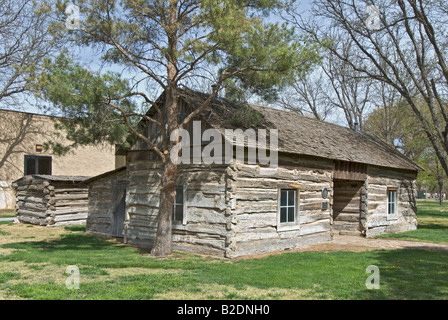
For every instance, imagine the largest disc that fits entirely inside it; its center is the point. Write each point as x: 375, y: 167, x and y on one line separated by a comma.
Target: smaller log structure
x: 51, y: 200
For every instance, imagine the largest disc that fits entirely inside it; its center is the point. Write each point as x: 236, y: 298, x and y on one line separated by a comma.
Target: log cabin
x: 51, y: 201
x: 327, y: 180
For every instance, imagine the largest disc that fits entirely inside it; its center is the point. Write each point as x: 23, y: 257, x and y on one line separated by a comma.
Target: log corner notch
x: 51, y: 200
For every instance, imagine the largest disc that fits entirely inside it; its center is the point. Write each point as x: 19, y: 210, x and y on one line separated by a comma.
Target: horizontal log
x: 306, y: 218
x: 201, y: 215
x: 68, y: 223
x: 30, y: 213
x: 69, y: 217
x: 66, y: 211
x: 32, y: 220
x: 72, y: 196
x: 70, y: 190
x: 256, y: 194
x: 315, y: 227
x: 347, y: 217
x: 70, y: 203
x: 32, y: 199
x: 258, y: 220
x: 32, y: 206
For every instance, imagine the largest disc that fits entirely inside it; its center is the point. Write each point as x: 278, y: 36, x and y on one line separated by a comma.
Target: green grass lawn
x: 432, y: 223
x: 33, y: 262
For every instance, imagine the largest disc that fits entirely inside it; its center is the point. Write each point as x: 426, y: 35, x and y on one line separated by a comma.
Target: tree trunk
x: 162, y: 244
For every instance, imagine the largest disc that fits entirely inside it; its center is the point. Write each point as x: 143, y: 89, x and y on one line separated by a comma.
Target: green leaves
x: 82, y: 99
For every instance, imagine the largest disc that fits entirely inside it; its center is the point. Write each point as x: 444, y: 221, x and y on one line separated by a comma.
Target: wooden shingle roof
x: 302, y: 135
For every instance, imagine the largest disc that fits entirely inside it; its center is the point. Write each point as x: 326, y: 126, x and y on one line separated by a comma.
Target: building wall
x: 255, y: 194
x: 207, y: 226
x: 378, y: 180
x: 231, y: 210
x: 21, y: 132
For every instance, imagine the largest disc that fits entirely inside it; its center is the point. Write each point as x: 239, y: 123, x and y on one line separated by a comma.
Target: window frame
x: 392, y: 216
x: 182, y: 187
x: 36, y: 164
x: 289, y: 225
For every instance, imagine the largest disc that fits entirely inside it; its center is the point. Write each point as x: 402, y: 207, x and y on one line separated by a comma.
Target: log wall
x: 253, y: 194
x: 378, y: 180
x: 231, y: 210
x: 51, y: 202
x: 206, y: 227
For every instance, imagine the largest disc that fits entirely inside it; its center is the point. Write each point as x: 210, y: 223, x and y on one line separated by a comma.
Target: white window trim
x: 289, y: 226
x: 393, y: 216
x: 184, y: 213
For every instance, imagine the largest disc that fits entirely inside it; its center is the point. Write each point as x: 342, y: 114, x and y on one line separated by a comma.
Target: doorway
x: 347, y: 207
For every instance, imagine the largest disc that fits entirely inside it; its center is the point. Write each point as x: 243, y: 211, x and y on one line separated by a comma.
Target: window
x: 37, y: 165
x: 392, y: 204
x: 287, y: 206
x: 178, y: 205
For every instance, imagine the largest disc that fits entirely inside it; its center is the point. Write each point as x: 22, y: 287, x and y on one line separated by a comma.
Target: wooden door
x: 118, y: 208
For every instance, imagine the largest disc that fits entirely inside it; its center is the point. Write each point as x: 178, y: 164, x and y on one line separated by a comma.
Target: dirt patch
x: 217, y: 291
x: 358, y: 244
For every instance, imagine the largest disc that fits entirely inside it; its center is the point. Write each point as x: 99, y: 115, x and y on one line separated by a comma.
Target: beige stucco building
x: 22, y: 139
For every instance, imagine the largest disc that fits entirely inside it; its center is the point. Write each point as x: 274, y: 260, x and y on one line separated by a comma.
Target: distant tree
x: 334, y: 87
x: 433, y: 177
x: 167, y: 45
x: 399, y: 43
x: 397, y: 125
x: 26, y: 37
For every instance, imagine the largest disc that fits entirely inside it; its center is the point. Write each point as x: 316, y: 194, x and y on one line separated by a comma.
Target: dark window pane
x: 282, y: 215
x: 30, y: 166
x: 283, y: 198
x: 291, y: 197
x: 44, y: 166
x: 179, y: 213
x: 390, y: 208
x: 291, y: 214
x: 180, y: 195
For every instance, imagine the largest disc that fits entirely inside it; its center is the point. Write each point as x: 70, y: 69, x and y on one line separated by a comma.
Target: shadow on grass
x: 411, y: 275
x: 82, y: 249
x: 434, y: 226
